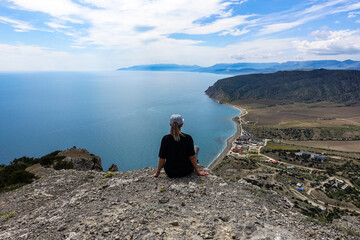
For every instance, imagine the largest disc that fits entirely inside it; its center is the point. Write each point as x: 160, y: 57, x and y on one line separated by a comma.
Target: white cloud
x: 23, y: 57
x: 321, y: 34
x: 132, y: 32
x: 261, y: 50
x: 278, y: 27
x: 225, y: 24
x: 112, y: 24
x: 56, y: 25
x: 34, y: 58
x: 353, y: 14
x: 332, y: 43
x: 282, y: 21
x: 316, y: 8
x: 235, y: 32
x: 54, y: 7
x: 20, y: 26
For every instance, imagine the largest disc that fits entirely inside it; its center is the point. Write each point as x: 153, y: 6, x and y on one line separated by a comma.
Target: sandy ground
x: 304, y: 115
x: 230, y: 140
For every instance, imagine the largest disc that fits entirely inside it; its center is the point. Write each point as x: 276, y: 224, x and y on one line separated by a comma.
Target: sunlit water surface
x: 120, y: 116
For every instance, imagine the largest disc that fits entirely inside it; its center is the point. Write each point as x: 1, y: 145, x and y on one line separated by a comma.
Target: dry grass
x: 302, y: 115
x: 343, y: 146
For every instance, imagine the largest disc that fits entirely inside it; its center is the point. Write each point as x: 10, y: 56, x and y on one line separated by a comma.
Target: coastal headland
x: 307, y: 151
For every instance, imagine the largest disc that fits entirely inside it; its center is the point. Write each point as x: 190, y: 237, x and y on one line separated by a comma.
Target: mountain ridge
x: 339, y: 86
x: 246, y: 68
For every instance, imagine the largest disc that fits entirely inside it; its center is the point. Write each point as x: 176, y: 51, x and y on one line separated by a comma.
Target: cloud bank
x: 182, y: 31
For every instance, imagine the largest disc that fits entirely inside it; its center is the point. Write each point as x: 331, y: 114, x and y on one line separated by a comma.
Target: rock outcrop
x: 69, y: 204
x: 81, y: 159
x: 113, y: 168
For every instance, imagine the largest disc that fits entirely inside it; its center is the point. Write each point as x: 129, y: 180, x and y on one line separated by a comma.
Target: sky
x: 85, y: 35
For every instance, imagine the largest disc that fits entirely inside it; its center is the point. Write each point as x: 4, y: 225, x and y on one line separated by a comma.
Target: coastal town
x: 310, y: 178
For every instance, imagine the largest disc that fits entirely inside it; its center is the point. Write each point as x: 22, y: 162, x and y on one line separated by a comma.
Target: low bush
x: 109, y: 175
x: 49, y: 159
x: 14, y: 176
x: 62, y: 164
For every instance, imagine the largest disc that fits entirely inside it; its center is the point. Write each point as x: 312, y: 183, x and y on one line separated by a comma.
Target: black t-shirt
x: 177, y: 155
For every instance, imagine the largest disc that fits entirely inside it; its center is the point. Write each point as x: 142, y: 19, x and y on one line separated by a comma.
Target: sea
x: 120, y: 116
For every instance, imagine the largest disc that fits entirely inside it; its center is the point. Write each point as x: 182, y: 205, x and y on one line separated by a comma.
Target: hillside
x: 69, y: 204
x: 339, y: 86
x: 247, y: 68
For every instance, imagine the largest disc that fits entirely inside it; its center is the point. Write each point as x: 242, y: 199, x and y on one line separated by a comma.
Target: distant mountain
x: 341, y: 86
x: 246, y: 68
x: 162, y: 67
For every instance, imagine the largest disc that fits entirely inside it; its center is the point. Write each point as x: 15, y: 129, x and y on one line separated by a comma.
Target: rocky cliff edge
x: 69, y: 204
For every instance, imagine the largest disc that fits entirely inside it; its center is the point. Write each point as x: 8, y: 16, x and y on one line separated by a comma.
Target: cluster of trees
x: 14, y: 175
x: 348, y: 194
x: 290, y: 157
x: 281, y: 133
x: 349, y: 170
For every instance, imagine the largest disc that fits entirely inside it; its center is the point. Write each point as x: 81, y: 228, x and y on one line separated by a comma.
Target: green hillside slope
x: 340, y: 86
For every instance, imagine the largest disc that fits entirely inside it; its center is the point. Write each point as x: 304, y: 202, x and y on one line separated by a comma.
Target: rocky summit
x: 81, y: 159
x: 70, y: 204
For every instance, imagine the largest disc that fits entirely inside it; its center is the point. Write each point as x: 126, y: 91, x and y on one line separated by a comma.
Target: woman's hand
x: 155, y: 175
x: 200, y: 173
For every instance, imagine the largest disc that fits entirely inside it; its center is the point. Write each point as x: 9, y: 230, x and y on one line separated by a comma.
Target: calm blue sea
x: 120, y: 116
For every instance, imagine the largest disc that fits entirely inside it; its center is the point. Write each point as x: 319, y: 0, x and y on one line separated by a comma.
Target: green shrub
x: 49, y: 159
x: 62, y: 164
x: 109, y: 175
x: 14, y: 176
x: 24, y: 160
x: 21, y: 176
x: 8, y: 215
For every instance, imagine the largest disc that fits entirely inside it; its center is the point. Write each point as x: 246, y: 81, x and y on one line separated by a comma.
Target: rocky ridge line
x: 69, y: 204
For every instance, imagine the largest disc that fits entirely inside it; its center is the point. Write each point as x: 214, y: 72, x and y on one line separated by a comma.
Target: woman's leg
x: 196, y: 149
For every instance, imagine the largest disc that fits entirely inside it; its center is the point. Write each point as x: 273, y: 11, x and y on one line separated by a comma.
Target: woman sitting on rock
x: 177, y: 153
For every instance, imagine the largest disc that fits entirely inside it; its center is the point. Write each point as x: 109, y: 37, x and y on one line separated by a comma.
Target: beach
x: 231, y: 139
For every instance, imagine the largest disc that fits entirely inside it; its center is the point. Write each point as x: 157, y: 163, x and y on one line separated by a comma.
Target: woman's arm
x: 160, y: 166
x: 195, y: 165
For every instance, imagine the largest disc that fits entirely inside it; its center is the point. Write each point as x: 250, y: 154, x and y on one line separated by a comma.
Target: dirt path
x: 289, y: 164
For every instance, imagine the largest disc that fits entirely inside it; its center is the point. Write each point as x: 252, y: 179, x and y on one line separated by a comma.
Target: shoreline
x: 231, y: 139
